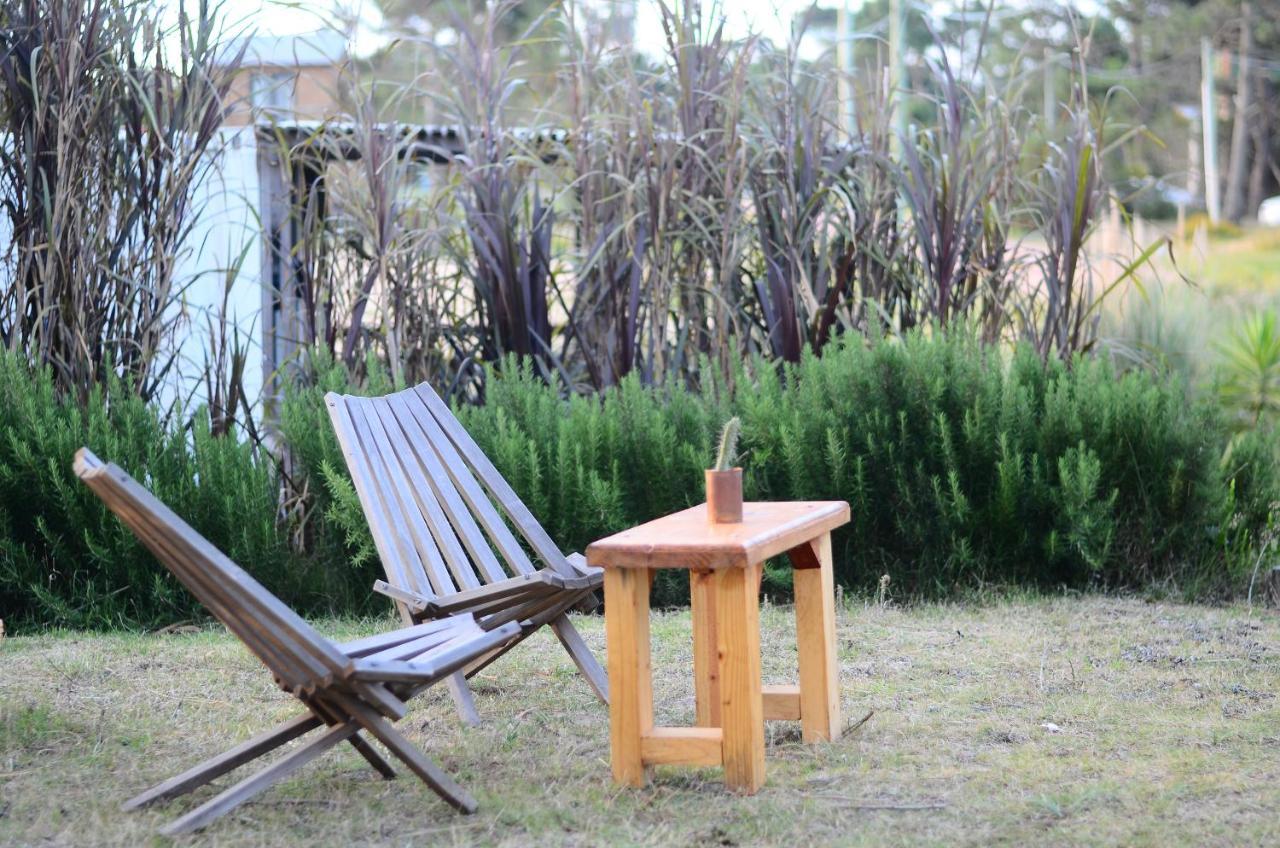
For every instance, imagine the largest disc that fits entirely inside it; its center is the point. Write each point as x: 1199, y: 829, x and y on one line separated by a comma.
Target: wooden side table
x: 725, y: 564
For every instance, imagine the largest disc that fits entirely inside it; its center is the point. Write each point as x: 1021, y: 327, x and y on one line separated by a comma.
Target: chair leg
x: 463, y: 699
x: 233, y: 797
x: 482, y: 662
x: 582, y: 656
x: 430, y: 773
x: 214, y: 768
x: 333, y: 716
x: 372, y: 757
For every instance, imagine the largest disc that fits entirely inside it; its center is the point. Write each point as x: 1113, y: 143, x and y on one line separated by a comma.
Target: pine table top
x: 686, y: 539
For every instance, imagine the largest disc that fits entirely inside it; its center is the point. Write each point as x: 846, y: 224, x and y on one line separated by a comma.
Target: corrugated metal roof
x: 431, y: 142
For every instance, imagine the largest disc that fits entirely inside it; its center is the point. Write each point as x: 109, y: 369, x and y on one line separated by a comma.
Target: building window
x: 271, y: 91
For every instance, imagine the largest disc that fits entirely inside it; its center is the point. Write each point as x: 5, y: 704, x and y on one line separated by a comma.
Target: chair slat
x: 533, y: 532
x: 441, y: 659
x: 417, y: 647
x: 288, y: 662
x: 398, y: 497
x: 509, y: 589
x: 476, y: 499
x: 424, y: 481
x: 468, y: 508
x: 369, y: 644
x: 288, y: 645
x: 403, y: 568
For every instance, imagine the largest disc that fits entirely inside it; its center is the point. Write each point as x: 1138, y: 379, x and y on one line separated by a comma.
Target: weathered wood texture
x: 345, y: 688
x: 452, y: 534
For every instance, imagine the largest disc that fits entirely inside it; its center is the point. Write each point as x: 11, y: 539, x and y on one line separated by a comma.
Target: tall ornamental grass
x: 667, y: 215
x: 106, y: 116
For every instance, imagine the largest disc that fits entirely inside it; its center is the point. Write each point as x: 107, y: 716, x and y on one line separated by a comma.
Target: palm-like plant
x: 1250, y: 370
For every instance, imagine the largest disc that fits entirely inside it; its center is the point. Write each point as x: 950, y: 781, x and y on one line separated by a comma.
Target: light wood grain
x: 741, y: 708
x: 781, y: 701
x: 706, y: 661
x: 626, y: 616
x: 725, y: 565
x: 816, y: 641
x: 682, y: 746
x: 687, y: 539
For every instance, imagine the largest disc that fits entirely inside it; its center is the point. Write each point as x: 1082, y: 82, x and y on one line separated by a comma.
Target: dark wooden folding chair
x: 346, y: 688
x: 442, y: 519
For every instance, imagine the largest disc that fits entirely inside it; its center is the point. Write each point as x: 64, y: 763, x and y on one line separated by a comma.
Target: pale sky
x: 769, y: 18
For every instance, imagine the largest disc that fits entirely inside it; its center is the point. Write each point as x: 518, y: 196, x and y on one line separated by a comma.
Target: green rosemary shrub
x: 64, y: 558
x: 965, y: 466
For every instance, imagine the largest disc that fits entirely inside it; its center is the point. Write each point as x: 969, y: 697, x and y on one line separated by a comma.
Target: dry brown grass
x: 1090, y: 721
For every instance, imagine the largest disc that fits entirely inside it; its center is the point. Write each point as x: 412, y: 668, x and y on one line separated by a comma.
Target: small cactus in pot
x: 724, y: 481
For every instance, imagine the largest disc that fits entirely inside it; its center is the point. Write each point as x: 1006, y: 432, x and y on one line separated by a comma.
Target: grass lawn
x: 1065, y: 721
x: 1170, y: 322
x: 1244, y: 265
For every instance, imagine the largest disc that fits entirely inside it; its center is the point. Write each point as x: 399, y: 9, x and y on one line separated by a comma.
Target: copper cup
x: 724, y: 496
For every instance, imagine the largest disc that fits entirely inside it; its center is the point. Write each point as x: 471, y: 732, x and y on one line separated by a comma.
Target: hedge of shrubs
x: 966, y: 466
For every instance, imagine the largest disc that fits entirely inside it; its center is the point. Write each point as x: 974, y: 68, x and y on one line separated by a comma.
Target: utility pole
x: 1237, y: 166
x: 897, y: 79
x: 844, y: 80
x: 1050, y: 91
x: 1194, y: 174
x: 1209, y: 122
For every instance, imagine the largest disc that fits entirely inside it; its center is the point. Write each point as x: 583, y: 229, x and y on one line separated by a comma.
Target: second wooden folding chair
x: 441, y: 516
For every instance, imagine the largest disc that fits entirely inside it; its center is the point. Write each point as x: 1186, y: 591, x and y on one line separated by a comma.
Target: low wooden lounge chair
x: 438, y: 511
x: 346, y: 688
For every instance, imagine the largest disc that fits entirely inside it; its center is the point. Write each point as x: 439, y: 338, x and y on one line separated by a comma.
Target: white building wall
x: 223, y: 256
x: 226, y: 228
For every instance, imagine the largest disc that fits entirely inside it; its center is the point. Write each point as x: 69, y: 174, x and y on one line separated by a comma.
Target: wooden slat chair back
x: 435, y: 496
x: 298, y: 656
x: 348, y: 688
x: 451, y: 532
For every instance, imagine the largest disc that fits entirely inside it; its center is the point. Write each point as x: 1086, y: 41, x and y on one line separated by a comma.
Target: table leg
x: 741, y: 706
x: 706, y: 662
x: 626, y: 615
x: 816, y: 639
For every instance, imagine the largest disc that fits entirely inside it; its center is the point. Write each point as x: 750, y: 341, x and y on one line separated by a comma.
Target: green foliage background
x: 966, y: 469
